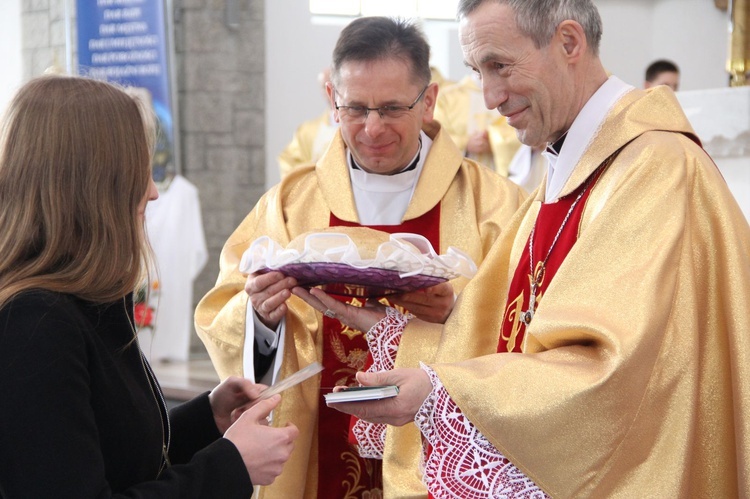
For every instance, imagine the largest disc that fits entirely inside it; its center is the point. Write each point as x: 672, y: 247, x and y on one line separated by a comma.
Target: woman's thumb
x: 263, y: 408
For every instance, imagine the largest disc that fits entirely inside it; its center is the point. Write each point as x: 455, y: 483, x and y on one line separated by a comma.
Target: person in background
x: 610, y: 323
x: 662, y: 72
x: 389, y: 167
x: 312, y: 137
x: 82, y: 414
x: 482, y: 134
x: 439, y: 78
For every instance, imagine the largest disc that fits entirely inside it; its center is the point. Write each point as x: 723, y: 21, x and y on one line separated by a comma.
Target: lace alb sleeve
x: 383, y: 340
x: 460, y: 461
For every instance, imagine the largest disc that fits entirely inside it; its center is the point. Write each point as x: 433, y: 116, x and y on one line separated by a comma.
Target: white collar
x: 581, y: 133
x: 384, y: 199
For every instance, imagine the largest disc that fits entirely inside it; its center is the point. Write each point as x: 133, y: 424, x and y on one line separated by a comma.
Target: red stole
x: 341, y: 471
x: 548, y: 222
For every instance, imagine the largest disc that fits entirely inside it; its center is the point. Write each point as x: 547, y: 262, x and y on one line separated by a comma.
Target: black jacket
x: 79, y: 417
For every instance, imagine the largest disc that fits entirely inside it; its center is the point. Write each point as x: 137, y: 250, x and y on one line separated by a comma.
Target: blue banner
x: 124, y: 41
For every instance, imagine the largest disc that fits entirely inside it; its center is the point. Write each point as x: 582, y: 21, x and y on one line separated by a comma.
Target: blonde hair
x: 75, y: 165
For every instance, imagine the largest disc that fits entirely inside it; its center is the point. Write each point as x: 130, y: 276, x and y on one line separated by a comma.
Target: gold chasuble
x: 634, y: 379
x: 468, y: 204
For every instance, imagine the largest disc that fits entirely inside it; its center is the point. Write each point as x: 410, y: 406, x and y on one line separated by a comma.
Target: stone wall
x: 43, y: 31
x: 220, y: 67
x: 221, y: 87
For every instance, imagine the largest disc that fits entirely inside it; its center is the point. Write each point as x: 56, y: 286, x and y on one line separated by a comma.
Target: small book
x: 291, y: 380
x: 361, y: 393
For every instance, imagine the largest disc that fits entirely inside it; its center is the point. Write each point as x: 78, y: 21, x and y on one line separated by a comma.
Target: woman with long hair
x: 81, y: 412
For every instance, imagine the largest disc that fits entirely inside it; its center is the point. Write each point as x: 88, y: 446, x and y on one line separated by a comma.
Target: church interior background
x: 245, y: 76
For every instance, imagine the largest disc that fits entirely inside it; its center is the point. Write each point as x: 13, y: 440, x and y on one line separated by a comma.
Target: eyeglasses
x: 358, y: 114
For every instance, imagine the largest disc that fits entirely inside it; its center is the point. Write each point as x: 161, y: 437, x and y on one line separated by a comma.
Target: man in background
x: 662, y: 72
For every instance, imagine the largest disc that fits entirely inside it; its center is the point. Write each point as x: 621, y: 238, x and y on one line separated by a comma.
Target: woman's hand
x: 264, y: 449
x: 231, y: 398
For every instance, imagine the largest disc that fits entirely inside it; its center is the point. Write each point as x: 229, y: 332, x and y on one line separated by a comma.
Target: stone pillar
x: 43, y: 36
x: 221, y: 86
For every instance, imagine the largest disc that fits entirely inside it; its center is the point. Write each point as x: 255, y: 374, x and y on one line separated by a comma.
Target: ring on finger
x: 330, y: 313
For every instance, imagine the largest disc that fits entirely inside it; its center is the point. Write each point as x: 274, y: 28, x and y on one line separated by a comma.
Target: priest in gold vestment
x: 609, y: 341
x: 391, y: 167
x: 312, y: 137
x: 308, y: 144
x: 482, y: 134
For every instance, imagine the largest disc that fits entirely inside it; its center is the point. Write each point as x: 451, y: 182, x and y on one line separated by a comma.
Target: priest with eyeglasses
x: 389, y: 167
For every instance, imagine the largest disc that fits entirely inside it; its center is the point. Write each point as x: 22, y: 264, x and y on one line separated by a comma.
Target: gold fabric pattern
x: 353, y: 490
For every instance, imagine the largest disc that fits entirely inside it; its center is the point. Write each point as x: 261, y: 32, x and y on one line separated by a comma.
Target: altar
x: 721, y: 118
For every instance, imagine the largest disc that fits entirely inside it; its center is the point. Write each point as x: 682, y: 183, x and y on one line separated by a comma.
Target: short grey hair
x: 538, y: 19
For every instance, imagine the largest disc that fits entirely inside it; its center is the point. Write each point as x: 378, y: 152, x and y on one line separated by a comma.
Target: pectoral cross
x: 536, y: 276
x: 529, y: 314
x: 535, y: 280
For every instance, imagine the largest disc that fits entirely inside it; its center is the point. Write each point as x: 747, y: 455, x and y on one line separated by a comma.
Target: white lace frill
x: 383, y: 340
x: 408, y: 254
x: 461, y: 463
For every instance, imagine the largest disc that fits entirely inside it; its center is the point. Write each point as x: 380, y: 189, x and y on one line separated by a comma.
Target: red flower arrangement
x: 144, y: 315
x: 143, y: 312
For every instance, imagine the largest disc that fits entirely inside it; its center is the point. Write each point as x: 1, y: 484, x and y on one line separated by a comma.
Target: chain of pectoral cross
x: 536, y: 277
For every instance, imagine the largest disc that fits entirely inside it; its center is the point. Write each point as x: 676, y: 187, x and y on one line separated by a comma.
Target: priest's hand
x: 268, y: 295
x: 360, y: 318
x: 433, y: 304
x: 414, y: 387
x: 479, y: 143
